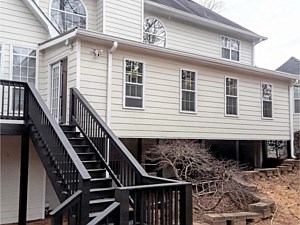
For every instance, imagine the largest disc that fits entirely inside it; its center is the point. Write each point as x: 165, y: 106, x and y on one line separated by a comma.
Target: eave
x: 106, y: 41
x: 42, y: 18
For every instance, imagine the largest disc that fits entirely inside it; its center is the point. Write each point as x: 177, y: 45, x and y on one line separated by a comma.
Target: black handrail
x: 133, y: 181
x: 68, y: 175
x: 103, y: 217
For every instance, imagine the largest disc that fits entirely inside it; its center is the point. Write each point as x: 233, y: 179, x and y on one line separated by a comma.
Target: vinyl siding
x: 124, y: 20
x: 50, y: 57
x: 99, y: 16
x: 90, y: 9
x: 196, y: 39
x: 93, y: 78
x: 162, y: 119
x: 18, y: 27
x: 10, y: 181
x: 296, y: 121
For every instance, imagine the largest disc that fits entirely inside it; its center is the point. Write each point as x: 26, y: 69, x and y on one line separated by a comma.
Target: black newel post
x: 24, y: 163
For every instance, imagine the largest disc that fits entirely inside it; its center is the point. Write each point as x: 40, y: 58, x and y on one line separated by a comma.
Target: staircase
x: 95, y: 177
x: 102, y: 192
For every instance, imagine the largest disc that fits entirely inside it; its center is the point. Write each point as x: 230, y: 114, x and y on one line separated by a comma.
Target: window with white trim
x: 24, y: 69
x: 188, y: 91
x: 134, y: 84
x: 154, y: 32
x: 231, y: 100
x: 230, y: 48
x: 1, y: 55
x: 67, y: 14
x: 24, y: 64
x: 297, y: 98
x: 267, y: 100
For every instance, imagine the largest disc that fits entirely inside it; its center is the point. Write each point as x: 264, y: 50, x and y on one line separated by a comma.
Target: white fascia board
x: 58, y: 39
x: 203, y: 21
x: 94, y: 36
x: 35, y: 9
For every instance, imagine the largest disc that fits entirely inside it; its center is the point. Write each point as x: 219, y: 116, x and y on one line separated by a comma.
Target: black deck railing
x: 21, y: 101
x: 154, y: 200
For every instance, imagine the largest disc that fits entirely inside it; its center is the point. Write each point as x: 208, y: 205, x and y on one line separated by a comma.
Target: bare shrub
x: 192, y: 162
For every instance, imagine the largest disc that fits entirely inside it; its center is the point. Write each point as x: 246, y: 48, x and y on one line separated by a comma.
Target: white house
x: 152, y: 69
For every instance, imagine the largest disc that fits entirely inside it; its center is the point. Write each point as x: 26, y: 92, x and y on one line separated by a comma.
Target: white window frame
x: 298, y: 99
x: 124, y: 84
x: 166, y: 37
x: 2, y: 60
x: 240, y: 50
x: 195, y: 91
x: 86, y: 13
x: 36, y: 62
x: 262, y: 101
x: 237, y: 97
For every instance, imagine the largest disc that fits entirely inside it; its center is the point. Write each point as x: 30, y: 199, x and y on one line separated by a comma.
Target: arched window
x: 154, y: 32
x: 67, y: 14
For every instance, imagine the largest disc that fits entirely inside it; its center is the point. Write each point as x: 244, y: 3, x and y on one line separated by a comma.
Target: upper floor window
x: 267, y: 100
x: 67, y: 14
x: 188, y: 91
x: 230, y: 48
x: 24, y: 64
x: 297, y: 98
x: 154, y: 32
x: 231, y: 100
x: 134, y: 84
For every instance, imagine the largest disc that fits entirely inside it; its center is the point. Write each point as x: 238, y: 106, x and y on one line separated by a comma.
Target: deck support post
x: 24, y: 176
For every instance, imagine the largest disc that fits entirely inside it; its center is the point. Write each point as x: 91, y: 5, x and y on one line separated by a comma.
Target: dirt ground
x: 285, y: 192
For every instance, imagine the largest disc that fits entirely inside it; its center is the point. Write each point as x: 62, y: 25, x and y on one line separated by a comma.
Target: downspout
x: 109, y: 81
x: 291, y: 91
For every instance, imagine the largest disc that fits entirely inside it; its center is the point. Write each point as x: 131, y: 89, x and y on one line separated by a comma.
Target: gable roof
x: 291, y: 66
x: 198, y: 10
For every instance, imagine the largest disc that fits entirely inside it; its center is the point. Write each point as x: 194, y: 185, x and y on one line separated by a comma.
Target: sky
x: 278, y: 20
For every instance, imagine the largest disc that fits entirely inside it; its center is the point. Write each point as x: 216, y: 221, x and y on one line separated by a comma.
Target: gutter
x: 109, y: 81
x: 291, y: 89
x: 204, y: 21
x: 95, y: 36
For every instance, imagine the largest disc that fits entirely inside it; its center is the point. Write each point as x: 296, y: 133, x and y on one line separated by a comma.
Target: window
x: 267, y: 108
x: 231, y: 100
x: 230, y: 48
x: 24, y: 65
x: 154, y: 32
x: 188, y: 91
x: 134, y: 84
x: 68, y: 14
x: 24, y: 69
x: 297, y: 98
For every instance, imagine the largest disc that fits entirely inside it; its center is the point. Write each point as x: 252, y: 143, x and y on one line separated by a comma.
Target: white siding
x: 162, y: 119
x: 193, y: 38
x: 90, y: 8
x: 99, y: 17
x: 51, y: 56
x: 123, y: 19
x: 93, y: 77
x: 10, y: 181
x: 18, y: 27
x: 296, y: 121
